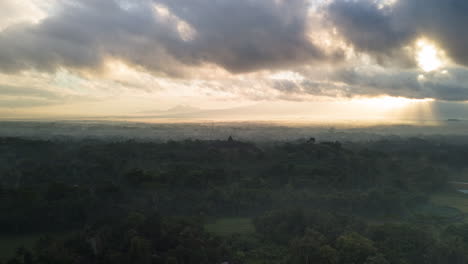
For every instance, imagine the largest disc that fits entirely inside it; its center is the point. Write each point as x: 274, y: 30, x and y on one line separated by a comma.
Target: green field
x: 228, y: 226
x: 453, y: 199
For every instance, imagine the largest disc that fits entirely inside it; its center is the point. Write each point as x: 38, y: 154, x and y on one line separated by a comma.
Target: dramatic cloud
x: 164, y: 36
x: 246, y: 35
x: 386, y: 30
x: 83, y: 34
x: 54, y: 52
x: 449, y: 85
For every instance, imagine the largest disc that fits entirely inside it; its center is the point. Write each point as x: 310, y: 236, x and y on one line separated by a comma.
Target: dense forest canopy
x: 230, y: 201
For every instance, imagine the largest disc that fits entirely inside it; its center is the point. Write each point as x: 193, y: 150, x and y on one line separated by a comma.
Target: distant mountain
x: 185, y: 111
x: 256, y: 111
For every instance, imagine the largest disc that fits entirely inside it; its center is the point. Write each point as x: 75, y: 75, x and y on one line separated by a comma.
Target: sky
x: 261, y: 59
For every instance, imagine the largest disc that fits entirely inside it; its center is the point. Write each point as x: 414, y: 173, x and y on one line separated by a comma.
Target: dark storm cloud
x: 83, y: 34
x: 241, y: 36
x: 367, y: 27
x: 388, y: 82
x: 245, y: 35
x: 385, y: 31
x: 451, y: 85
x: 350, y: 83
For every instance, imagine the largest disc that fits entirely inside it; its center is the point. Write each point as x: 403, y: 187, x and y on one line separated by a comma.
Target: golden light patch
x: 287, y: 75
x: 388, y: 102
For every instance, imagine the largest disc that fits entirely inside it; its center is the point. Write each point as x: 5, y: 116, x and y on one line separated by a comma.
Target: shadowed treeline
x: 307, y: 201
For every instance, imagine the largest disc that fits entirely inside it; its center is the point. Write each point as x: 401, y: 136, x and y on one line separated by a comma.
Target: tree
x: 306, y: 249
x: 140, y: 250
x: 404, y: 242
x: 377, y: 259
x: 354, y: 248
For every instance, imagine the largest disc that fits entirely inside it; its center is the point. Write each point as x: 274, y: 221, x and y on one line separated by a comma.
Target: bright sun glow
x: 428, y: 57
x: 287, y: 75
x: 388, y: 102
x: 394, y: 109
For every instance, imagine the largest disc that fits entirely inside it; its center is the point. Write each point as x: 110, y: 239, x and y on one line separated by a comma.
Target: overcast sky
x: 116, y: 57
